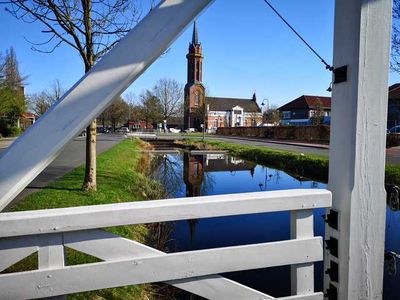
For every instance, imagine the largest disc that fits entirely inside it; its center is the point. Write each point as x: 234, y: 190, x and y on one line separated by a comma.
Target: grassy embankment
x: 314, y: 167
x: 121, y: 177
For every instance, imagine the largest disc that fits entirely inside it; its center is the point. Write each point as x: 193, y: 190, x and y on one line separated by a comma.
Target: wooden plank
x: 313, y: 296
x: 46, y: 283
x: 302, y: 275
x: 357, y: 150
x: 99, y: 216
x: 51, y: 255
x: 108, y: 246
x: 12, y: 250
x: 93, y: 93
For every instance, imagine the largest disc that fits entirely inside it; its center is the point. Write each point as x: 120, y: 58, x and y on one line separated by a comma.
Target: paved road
x: 71, y: 157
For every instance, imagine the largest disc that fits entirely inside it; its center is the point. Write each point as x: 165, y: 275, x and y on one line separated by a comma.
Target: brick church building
x: 219, y: 112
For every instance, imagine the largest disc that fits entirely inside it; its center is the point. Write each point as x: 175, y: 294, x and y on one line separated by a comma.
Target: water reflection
x: 186, y: 175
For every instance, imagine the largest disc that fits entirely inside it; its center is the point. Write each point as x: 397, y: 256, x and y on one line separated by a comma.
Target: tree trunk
x: 89, y: 183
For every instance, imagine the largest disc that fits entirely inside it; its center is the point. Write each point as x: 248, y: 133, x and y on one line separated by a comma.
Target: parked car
x: 104, y: 130
x: 174, y: 130
x: 395, y: 129
x: 83, y: 133
x: 189, y: 130
x: 123, y: 130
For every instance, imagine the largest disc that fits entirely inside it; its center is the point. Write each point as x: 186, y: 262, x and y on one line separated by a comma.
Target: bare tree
x: 151, y: 108
x: 90, y: 27
x: 41, y: 102
x: 318, y: 113
x: 395, y: 61
x: 117, y: 112
x: 272, y: 115
x: 170, y: 94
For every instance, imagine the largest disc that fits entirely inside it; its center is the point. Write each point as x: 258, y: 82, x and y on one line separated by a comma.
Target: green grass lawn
x: 312, y: 166
x: 121, y: 177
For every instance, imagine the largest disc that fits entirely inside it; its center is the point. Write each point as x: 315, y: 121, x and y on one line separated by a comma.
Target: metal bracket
x: 332, y: 219
x: 340, y: 74
x: 331, y: 293
x: 332, y: 245
x: 333, y: 271
x: 390, y: 260
x: 392, y: 196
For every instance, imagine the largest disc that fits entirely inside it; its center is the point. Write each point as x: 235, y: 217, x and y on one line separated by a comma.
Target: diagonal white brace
x: 43, y: 141
x: 108, y: 246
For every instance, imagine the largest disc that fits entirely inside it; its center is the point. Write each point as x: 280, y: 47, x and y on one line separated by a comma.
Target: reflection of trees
x: 208, y: 183
x: 271, y: 175
x: 168, y: 169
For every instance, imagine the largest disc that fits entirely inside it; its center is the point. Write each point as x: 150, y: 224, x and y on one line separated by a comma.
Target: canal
x: 186, y: 175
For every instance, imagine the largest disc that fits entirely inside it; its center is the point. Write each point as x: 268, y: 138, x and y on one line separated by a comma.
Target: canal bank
x: 306, y: 165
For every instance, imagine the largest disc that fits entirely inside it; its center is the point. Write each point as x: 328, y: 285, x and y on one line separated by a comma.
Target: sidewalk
x: 5, y: 142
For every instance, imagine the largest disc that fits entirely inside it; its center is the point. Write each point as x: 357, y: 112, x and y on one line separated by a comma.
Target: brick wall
x: 317, y: 133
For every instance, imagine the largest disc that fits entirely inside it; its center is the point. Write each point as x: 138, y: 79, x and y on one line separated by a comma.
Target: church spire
x: 195, y: 37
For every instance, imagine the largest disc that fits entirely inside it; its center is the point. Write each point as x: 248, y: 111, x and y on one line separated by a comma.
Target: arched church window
x: 197, y: 98
x: 198, y: 71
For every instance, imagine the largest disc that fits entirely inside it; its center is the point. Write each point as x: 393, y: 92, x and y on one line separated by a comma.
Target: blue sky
x: 246, y: 48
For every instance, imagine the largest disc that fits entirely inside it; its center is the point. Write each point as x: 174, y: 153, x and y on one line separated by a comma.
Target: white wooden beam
x: 108, y: 246
x: 51, y: 256
x: 302, y: 275
x: 12, y: 250
x: 100, y: 216
x: 43, y: 141
x: 53, y: 282
x: 357, y: 151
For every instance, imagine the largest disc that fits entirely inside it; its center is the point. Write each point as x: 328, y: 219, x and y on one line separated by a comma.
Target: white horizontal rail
x: 100, y: 216
x: 61, y: 281
x: 108, y: 246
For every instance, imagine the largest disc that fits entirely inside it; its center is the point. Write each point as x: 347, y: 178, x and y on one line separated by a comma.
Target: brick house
x: 394, y: 106
x: 220, y: 111
x: 302, y: 109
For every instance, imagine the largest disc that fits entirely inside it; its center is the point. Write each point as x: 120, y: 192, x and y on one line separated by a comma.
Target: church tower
x: 194, y: 89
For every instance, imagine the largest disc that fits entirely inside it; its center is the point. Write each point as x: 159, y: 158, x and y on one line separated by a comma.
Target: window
x: 237, y: 112
x: 286, y: 114
x: 196, y: 98
x: 197, y: 71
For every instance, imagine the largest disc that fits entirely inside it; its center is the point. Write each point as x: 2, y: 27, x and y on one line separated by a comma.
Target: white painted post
x: 357, y: 151
x: 302, y: 275
x: 52, y: 256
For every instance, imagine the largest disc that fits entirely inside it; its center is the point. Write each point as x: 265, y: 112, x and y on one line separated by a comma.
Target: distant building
x: 302, y: 109
x: 220, y: 112
x: 394, y: 106
x: 26, y: 119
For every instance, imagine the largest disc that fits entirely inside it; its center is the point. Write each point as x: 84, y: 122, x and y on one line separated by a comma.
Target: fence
x: 311, y: 133
x: 126, y: 262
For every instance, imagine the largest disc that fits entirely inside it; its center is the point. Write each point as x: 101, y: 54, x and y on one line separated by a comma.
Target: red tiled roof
x: 306, y: 101
x: 28, y: 115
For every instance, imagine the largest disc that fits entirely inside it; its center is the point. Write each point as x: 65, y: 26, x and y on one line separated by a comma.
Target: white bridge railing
x: 126, y: 262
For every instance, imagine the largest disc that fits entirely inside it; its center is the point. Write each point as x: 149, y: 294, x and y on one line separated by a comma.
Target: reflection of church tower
x: 193, y: 174
x: 194, y: 89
